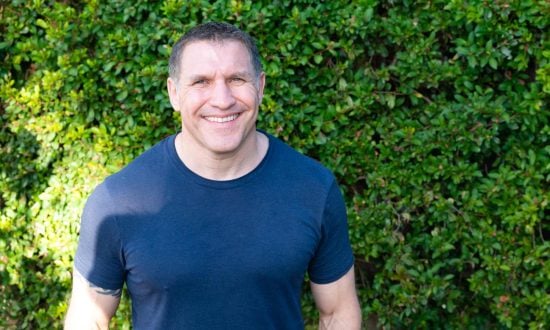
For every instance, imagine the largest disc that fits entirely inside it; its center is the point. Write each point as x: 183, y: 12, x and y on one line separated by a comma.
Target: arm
x: 337, y: 303
x: 91, y: 307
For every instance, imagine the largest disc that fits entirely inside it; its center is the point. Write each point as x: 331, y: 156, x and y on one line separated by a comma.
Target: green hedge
x: 433, y: 115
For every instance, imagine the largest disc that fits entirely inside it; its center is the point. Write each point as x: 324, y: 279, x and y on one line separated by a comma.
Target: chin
x: 224, y: 147
x: 230, y: 143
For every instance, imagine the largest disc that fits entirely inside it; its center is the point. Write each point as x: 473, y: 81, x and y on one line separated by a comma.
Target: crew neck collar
x: 217, y: 184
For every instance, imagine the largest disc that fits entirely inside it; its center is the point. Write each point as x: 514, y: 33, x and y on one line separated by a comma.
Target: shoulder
x: 297, y: 165
x: 135, y: 183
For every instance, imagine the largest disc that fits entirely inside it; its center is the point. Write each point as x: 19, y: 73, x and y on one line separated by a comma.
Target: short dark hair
x: 217, y: 32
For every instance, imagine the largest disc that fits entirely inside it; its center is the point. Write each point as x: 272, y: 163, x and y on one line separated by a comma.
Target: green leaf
x: 40, y: 22
x: 493, y: 63
x: 317, y: 59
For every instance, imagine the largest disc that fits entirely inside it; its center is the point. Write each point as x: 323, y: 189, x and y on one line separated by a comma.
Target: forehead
x: 203, y: 57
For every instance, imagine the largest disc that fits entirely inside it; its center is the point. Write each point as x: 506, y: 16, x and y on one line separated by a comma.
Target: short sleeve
x: 334, y: 256
x: 99, y: 255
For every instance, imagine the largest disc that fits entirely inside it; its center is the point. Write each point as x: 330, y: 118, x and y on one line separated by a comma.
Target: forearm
x: 78, y: 323
x: 79, y: 318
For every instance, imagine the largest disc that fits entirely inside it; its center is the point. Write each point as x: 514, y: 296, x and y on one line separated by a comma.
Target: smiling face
x: 218, y: 95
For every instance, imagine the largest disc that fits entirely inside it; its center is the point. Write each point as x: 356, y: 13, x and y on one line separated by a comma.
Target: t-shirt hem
x: 334, y: 278
x: 86, y: 276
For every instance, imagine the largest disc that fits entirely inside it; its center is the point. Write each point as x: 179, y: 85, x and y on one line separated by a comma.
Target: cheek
x: 249, y: 95
x: 192, y: 102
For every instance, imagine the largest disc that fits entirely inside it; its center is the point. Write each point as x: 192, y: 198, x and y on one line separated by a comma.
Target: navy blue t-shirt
x: 203, y: 254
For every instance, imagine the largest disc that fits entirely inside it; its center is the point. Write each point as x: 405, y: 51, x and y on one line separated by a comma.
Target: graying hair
x: 217, y: 32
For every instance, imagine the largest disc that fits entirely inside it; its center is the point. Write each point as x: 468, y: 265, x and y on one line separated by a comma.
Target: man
x: 216, y: 226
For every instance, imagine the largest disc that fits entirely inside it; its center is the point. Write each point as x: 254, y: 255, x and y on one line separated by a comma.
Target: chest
x: 221, y: 240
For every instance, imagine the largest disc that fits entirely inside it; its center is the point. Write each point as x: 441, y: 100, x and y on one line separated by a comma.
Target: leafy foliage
x: 433, y: 115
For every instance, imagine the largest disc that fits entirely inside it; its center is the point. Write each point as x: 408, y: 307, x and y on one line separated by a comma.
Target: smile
x: 221, y: 119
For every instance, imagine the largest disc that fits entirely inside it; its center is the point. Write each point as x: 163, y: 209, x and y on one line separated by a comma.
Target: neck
x: 226, y: 166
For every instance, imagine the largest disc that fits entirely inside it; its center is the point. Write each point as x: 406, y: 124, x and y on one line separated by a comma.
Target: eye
x: 199, y: 82
x: 237, y: 80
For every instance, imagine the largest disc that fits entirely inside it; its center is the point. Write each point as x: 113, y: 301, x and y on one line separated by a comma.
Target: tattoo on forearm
x: 115, y: 293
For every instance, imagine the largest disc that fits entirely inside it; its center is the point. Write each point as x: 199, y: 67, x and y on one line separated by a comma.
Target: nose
x: 222, y: 96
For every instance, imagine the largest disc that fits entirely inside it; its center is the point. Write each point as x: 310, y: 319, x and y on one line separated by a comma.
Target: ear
x: 171, y: 85
x: 261, y: 85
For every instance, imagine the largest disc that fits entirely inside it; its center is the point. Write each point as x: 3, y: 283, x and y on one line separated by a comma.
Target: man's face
x: 218, y: 95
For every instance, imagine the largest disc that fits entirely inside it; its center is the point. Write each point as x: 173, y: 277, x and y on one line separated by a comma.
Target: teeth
x: 222, y: 119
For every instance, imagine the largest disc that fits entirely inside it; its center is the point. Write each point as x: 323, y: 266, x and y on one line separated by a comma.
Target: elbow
x: 348, y: 319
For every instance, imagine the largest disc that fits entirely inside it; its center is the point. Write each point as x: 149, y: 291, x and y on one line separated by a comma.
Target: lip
x: 229, y: 118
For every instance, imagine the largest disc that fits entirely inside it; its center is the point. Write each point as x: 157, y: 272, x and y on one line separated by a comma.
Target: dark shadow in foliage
x: 17, y: 153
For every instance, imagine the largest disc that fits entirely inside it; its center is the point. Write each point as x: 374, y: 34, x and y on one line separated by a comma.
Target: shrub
x: 432, y: 114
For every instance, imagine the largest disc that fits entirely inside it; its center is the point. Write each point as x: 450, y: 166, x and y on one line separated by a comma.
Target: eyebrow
x: 245, y: 74
x: 196, y: 77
